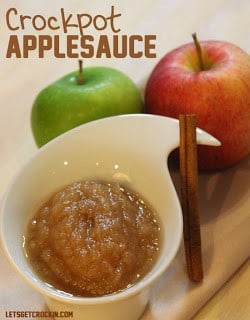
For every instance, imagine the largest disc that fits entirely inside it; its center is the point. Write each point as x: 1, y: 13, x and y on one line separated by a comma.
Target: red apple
x: 214, y: 84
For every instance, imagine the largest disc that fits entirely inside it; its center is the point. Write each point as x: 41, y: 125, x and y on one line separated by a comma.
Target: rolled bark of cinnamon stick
x: 189, y: 196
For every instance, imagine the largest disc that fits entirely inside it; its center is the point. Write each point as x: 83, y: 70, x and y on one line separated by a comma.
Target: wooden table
x: 231, y: 302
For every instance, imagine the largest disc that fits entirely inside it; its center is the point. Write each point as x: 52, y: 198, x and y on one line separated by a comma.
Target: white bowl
x: 130, y: 149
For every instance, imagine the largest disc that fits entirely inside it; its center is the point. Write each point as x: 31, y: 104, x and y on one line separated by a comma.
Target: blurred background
x: 172, y: 21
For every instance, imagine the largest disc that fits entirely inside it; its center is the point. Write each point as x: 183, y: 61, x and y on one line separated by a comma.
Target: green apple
x: 79, y: 98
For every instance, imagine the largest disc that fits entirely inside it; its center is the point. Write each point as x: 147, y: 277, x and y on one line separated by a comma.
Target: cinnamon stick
x: 189, y: 196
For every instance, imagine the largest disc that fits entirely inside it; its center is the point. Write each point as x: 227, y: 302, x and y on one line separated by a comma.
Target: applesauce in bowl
x: 92, y: 238
x: 128, y: 150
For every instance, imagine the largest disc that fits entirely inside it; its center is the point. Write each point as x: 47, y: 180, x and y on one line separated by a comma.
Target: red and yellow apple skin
x: 218, y: 95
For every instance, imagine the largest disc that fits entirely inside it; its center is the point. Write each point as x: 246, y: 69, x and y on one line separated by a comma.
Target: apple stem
x: 80, y: 76
x: 199, y: 52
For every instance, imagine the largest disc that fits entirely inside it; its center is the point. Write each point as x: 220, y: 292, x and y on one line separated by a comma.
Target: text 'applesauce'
x: 93, y: 238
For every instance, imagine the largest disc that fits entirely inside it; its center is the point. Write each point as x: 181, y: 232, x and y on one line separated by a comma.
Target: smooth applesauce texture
x: 93, y: 238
